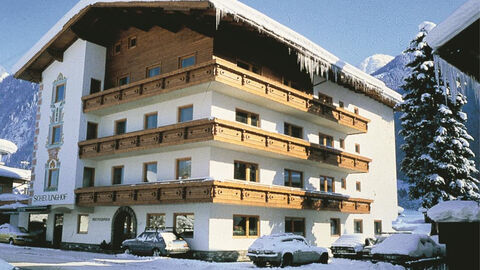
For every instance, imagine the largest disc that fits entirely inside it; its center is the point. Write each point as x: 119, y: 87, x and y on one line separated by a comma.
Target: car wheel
x: 156, y: 253
x: 259, y: 264
x: 324, y: 258
x: 287, y: 260
x: 128, y: 250
x: 11, y: 242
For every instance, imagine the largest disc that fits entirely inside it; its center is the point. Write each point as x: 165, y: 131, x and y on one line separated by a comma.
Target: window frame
x: 147, y: 221
x: 145, y: 164
x: 358, y: 186
x: 290, y: 128
x: 145, y: 122
x: 357, y: 148
x: 341, y: 104
x: 114, y: 49
x: 355, y: 221
x: 52, y: 139
x: 290, y: 177
x: 375, y: 222
x: 147, y: 69
x: 96, y: 130
x: 93, y: 176
x: 113, y: 174
x: 356, y: 111
x: 247, y: 223
x: 324, y: 185
x: 344, y: 183
x: 250, y: 65
x: 127, y: 75
x: 292, y: 220
x: 175, y: 215
x: 247, y: 170
x: 129, y: 45
x: 79, y: 216
x: 179, y: 114
x: 342, y: 143
x: 55, y: 98
x: 177, y: 163
x: 99, y: 86
x: 181, y: 58
x: 49, y: 186
x: 323, y: 139
x: 249, y: 117
x: 338, y: 224
x: 116, y: 125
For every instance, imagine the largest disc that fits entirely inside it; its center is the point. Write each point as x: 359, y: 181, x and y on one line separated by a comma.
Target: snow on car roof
x: 414, y: 245
x: 455, y: 211
x: 350, y: 240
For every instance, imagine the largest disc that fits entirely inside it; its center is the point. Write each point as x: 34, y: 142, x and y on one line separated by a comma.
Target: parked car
x: 15, y: 235
x: 285, y: 249
x: 350, y: 245
x: 156, y: 243
x: 404, y: 247
x: 373, y: 242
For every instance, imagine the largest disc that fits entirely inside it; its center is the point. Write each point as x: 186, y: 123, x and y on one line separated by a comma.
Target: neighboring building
x: 209, y: 117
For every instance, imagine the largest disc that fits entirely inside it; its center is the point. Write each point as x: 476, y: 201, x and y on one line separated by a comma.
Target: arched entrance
x: 124, y: 226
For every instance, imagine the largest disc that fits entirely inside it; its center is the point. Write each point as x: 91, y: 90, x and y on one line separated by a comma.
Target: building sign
x: 100, y: 219
x: 50, y: 197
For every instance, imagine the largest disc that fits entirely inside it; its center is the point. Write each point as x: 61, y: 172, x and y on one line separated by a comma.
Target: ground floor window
x: 335, y: 226
x: 155, y: 220
x: 358, y: 226
x: 184, y: 224
x: 82, y: 224
x: 247, y: 226
x: 377, y: 226
x: 295, y: 225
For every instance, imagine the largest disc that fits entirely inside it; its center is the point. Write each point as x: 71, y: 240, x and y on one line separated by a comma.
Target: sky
x: 351, y: 30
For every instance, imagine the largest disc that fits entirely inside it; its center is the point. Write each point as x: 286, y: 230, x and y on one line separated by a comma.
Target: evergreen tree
x: 438, y: 162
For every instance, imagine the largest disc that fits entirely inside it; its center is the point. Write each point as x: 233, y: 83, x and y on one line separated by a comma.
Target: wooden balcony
x: 224, y: 72
x: 223, y: 133
x: 225, y: 192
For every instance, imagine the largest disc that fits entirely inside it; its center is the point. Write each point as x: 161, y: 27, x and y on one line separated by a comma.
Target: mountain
x: 374, y: 62
x: 3, y: 73
x: 18, y: 106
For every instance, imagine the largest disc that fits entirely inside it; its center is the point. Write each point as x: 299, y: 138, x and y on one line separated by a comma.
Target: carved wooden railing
x: 228, y: 73
x: 212, y: 191
x: 226, y: 132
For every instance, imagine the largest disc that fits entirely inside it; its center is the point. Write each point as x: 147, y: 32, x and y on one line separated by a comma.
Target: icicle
x: 218, y: 17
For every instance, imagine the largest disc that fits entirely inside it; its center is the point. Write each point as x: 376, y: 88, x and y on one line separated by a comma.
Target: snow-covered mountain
x: 18, y: 105
x: 3, y: 73
x: 374, y: 62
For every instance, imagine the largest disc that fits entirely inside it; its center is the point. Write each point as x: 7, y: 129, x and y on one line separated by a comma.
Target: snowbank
x: 414, y: 245
x: 12, y: 197
x: 455, y: 211
x: 7, y: 147
x: 15, y: 173
x: 5, y: 266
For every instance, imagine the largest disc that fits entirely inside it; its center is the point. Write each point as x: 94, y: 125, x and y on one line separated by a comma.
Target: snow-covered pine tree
x: 438, y: 162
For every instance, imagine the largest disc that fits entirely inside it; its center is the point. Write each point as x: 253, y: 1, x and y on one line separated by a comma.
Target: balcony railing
x: 232, y: 133
x: 225, y: 72
x: 226, y: 192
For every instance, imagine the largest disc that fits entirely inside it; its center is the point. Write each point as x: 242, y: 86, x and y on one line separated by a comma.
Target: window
x: 120, y: 126
x: 335, y: 226
x: 153, y: 71
x: 357, y: 148
x: 155, y: 221
x: 325, y: 99
x: 247, y: 118
x: 377, y: 226
x: 150, y: 172
x: 56, y: 134
x: 132, y: 42
x: 358, y: 186
x: 342, y: 143
x: 325, y: 140
x: 95, y: 86
x: 245, y: 171
x: 358, y: 226
x: 52, y: 180
x: 327, y: 184
x: 247, y: 226
x: 123, y: 80
x: 340, y: 104
x: 295, y: 225
x: 59, y: 93
x: 248, y: 66
x: 344, y: 183
x: 184, y: 224
x: 185, y: 113
x: 293, y: 178
x: 184, y: 168
x: 150, y: 120
x: 88, y: 177
x: 82, y: 224
x: 186, y: 61
x: 92, y: 129
x: 292, y: 130
x: 117, y: 48
x: 117, y: 175
x: 355, y: 110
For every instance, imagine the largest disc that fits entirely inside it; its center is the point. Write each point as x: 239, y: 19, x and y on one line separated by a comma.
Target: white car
x: 285, y: 249
x: 348, y: 245
x: 407, y: 246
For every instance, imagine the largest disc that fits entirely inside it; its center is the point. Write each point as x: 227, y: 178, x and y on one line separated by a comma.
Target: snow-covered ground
x: 412, y: 221
x: 45, y: 258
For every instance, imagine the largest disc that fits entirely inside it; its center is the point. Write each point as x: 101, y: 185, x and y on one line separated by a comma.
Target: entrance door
x: 57, y: 230
x: 123, y: 226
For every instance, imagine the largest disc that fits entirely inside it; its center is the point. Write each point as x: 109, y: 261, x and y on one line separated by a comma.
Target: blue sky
x: 352, y: 30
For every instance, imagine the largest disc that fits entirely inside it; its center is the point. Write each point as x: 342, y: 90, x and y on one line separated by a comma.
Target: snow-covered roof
x: 454, y: 24
x: 311, y: 57
x: 5, y: 197
x: 15, y: 173
x: 455, y: 211
x: 7, y: 147
x: 12, y: 206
